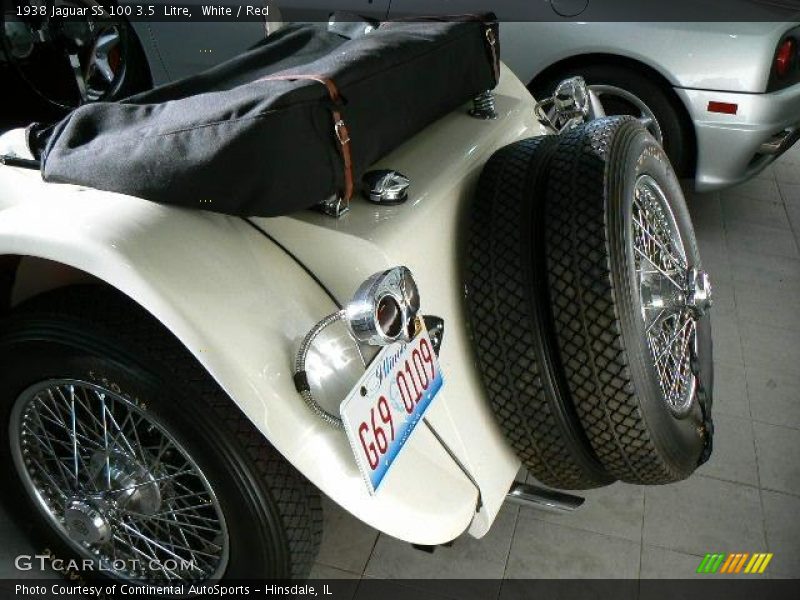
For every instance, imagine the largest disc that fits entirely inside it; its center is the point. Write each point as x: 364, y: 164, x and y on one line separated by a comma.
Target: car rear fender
x: 240, y: 305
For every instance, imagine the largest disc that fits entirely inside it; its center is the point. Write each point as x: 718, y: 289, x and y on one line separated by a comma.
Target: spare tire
x: 630, y: 302
x: 509, y: 317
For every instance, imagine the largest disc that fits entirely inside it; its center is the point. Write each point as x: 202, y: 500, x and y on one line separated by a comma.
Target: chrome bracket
x: 571, y: 105
x: 335, y: 206
x: 484, y: 106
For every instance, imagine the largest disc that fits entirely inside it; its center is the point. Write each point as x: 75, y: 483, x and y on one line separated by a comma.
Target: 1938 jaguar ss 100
x: 517, y: 285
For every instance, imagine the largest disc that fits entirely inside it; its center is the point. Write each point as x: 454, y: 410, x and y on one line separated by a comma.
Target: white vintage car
x: 180, y: 387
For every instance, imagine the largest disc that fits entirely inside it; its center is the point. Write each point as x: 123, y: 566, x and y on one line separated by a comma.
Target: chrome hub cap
x: 115, y: 484
x: 85, y: 523
x: 698, y: 291
x: 672, y: 294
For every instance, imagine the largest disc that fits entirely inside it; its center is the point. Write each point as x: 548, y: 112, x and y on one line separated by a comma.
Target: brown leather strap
x: 339, y: 126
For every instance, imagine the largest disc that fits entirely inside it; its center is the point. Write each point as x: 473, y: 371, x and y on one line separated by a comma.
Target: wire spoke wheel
x: 669, y: 295
x: 116, y: 485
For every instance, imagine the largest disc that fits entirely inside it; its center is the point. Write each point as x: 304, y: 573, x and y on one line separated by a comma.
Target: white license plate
x: 384, y: 407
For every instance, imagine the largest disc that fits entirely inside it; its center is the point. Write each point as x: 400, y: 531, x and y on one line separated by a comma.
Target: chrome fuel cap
x: 386, y: 186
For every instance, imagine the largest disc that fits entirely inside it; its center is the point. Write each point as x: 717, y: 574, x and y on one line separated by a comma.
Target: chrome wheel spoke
x: 116, y: 485
x: 621, y: 101
x: 100, y: 73
x: 667, y: 292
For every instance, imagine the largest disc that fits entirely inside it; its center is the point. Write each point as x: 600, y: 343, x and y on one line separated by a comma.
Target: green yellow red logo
x: 741, y: 562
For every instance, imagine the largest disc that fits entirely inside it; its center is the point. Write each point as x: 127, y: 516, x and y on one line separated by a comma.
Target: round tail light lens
x: 390, y: 318
x: 785, y: 57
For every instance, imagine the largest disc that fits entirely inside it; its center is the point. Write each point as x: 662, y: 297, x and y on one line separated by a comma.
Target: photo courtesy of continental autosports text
x: 399, y: 299
x: 58, y: 590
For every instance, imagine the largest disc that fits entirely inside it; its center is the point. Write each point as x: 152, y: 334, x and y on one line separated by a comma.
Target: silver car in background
x: 724, y: 98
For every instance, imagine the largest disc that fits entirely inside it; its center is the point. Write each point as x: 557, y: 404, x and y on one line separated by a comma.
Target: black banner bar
x: 506, y: 10
x: 713, y: 588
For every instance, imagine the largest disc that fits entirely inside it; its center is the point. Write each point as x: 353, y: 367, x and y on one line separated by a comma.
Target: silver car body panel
x: 728, y: 145
x: 732, y: 57
x: 703, y: 62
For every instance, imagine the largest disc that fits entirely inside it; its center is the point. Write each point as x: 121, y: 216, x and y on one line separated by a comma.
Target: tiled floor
x: 747, y: 498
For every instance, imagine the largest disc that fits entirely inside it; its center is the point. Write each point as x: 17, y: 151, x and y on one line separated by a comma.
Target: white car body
x: 241, y: 302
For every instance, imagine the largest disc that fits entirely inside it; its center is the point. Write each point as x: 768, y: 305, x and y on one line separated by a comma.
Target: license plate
x: 384, y: 407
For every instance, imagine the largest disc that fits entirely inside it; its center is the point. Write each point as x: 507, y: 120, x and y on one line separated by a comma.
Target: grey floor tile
x: 758, y: 270
x: 759, y: 239
x: 771, y: 347
x: 768, y: 173
x: 320, y: 571
x: 346, y: 542
x: 734, y: 456
x: 727, y: 340
x: 790, y: 192
x: 761, y: 189
x: 468, y: 558
x: 786, y: 172
x: 706, y: 210
x: 730, y: 391
x: 748, y: 210
x: 718, y: 265
x: 793, y: 210
x: 777, y: 575
x: 702, y: 514
x: 773, y: 306
x: 792, y: 155
x: 547, y: 551
x: 724, y: 297
x: 778, y: 449
x: 616, y: 510
x: 660, y: 563
x: 711, y: 241
x: 782, y: 516
x: 774, y: 396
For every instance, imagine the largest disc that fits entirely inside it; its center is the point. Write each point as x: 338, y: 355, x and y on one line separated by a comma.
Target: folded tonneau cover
x: 290, y: 124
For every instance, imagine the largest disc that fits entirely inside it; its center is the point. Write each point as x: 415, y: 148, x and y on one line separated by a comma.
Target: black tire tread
x: 499, y: 314
x: 295, y: 500
x: 587, y: 323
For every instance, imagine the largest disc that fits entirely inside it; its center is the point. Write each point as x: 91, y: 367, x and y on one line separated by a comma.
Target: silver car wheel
x: 672, y: 295
x: 104, y: 64
x: 115, y: 485
x: 610, y: 96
